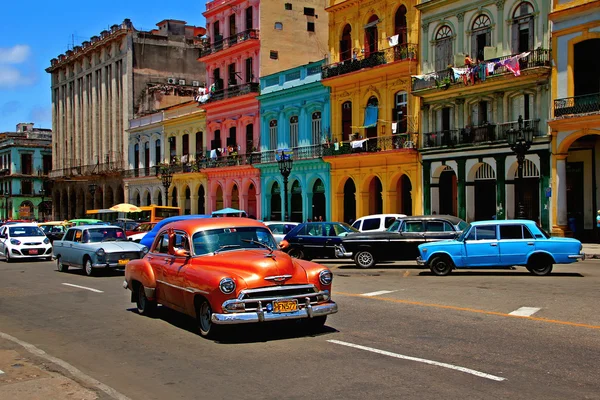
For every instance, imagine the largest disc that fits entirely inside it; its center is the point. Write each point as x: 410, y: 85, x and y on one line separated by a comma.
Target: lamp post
x: 92, y: 189
x: 520, y: 141
x: 166, y: 176
x: 285, y: 167
x: 40, y: 207
x: 5, y: 195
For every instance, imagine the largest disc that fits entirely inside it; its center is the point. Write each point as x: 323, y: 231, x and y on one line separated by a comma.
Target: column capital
x: 500, y: 4
x: 460, y: 16
x: 499, y: 95
x: 459, y: 102
x: 425, y: 26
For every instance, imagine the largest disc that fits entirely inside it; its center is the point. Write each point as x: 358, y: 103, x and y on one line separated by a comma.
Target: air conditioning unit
x: 171, y: 81
x: 182, y: 81
x: 195, y: 83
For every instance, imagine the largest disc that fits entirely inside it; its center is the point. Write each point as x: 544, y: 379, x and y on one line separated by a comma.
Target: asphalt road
x: 400, y: 333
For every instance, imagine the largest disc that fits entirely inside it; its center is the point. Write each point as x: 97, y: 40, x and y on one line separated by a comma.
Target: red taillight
x: 283, y: 244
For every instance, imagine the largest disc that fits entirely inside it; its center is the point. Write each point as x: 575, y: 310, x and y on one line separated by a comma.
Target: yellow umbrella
x: 125, y: 207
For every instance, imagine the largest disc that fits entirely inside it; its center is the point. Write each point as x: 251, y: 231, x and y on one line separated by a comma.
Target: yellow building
x: 576, y: 117
x: 374, y: 162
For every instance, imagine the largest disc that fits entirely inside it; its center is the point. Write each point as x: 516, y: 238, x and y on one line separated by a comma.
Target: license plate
x: 33, y: 251
x: 283, y: 306
x: 123, y: 262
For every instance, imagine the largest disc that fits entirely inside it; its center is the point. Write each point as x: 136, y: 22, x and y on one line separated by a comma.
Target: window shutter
x: 488, y: 38
x: 489, y: 112
x: 515, y: 38
x: 531, y: 44
x: 438, y: 122
x: 517, y: 107
x: 473, y: 46
x: 475, y: 114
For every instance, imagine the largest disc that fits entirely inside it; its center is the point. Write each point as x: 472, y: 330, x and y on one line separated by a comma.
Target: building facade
x: 484, y: 65
x: 575, y: 125
x: 295, y: 115
x: 374, y: 119
x: 25, y: 162
x: 97, y: 88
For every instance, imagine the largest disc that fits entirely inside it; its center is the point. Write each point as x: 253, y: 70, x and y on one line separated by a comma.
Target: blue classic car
x: 93, y: 247
x: 501, y: 244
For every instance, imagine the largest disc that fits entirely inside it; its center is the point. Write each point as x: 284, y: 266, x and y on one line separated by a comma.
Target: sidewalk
x: 591, y: 250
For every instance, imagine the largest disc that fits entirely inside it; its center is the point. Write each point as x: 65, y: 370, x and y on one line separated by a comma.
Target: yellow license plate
x: 283, y: 306
x: 123, y: 262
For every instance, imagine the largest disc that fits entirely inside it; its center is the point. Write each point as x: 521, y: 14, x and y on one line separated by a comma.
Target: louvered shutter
x: 531, y: 32
x: 475, y: 114
x: 515, y: 38
x: 474, y: 46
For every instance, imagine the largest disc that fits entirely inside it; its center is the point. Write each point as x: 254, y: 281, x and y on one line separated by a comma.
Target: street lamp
x: 520, y: 141
x: 166, y: 176
x: 285, y: 167
x: 41, y: 207
x: 5, y: 195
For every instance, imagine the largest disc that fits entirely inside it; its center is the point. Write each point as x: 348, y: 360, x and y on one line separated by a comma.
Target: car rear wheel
x: 540, y: 267
x: 89, y: 270
x: 7, y: 255
x: 204, y: 315
x: 296, y: 253
x: 144, y: 305
x: 364, y: 259
x: 60, y: 266
x: 441, y: 266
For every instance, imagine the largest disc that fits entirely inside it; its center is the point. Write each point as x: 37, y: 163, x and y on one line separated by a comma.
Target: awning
x: 372, y: 24
x: 371, y: 116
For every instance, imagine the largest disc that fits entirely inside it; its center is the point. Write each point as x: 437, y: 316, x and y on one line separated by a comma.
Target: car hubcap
x: 205, y: 317
x: 441, y: 266
x: 365, y: 258
x: 88, y: 268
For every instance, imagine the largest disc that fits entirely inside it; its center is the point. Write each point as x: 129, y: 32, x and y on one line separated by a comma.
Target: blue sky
x: 33, y: 33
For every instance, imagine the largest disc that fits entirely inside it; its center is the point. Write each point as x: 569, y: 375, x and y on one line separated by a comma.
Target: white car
x: 24, y: 241
x: 376, y: 222
x: 140, y: 231
x: 279, y: 228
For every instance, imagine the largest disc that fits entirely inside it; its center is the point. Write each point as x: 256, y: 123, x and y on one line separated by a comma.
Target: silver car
x: 94, y: 247
x: 279, y: 228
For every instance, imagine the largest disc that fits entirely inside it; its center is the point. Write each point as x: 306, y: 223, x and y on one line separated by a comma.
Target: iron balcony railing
x: 476, y: 134
x: 85, y: 170
x: 588, y: 103
x: 235, y: 91
x: 404, y: 51
x: 445, y: 78
x: 225, y: 43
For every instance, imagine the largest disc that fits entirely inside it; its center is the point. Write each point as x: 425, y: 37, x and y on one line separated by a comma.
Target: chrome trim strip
x: 187, y: 289
x: 269, y: 299
x: 272, y: 288
x: 277, y: 278
x: 581, y: 256
x: 309, y: 311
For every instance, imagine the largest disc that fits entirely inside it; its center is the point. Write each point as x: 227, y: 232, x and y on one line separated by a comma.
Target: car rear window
x: 356, y: 224
x: 511, y: 231
x: 370, y: 224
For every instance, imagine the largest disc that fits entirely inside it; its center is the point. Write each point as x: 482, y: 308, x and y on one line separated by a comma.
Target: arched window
x: 443, y: 48
x: 346, y: 43
x: 316, y: 127
x: 185, y: 144
x: 199, y: 145
x: 371, y: 36
x: 346, y: 120
x: 400, y: 24
x: 400, y: 112
x: 147, y: 158
x: 294, y: 132
x: 273, y: 134
x: 481, y: 36
x: 136, y: 158
x: 523, y: 28
x: 371, y: 115
x: 157, y: 156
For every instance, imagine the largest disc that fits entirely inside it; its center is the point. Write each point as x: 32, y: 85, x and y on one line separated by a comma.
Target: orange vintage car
x: 228, y: 271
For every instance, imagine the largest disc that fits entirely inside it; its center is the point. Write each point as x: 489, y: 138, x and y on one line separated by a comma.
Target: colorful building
x: 483, y: 65
x: 246, y: 40
x: 294, y: 110
x: 575, y: 125
x: 374, y: 119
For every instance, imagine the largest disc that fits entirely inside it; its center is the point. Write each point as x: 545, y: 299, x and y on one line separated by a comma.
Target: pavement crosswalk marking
x: 378, y: 293
x: 525, y: 311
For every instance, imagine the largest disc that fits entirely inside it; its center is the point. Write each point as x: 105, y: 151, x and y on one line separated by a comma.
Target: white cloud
x: 11, y: 77
x: 17, y: 54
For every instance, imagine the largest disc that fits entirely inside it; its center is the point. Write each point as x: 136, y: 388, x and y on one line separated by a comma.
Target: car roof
x: 280, y: 222
x: 22, y: 224
x: 85, y: 220
x: 504, y: 222
x: 382, y: 215
x: 95, y: 226
x: 451, y: 218
x: 193, y: 225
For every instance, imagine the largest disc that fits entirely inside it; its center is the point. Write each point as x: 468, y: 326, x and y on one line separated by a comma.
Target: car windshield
x: 461, y: 237
x: 395, y: 226
x: 462, y: 225
x: 226, y: 239
x: 24, y: 231
x: 106, y: 234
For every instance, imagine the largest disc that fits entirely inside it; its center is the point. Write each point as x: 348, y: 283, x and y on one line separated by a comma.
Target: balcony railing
x: 588, y: 103
x: 445, y: 78
x: 404, y: 51
x: 86, y: 170
x: 235, y: 91
x: 477, y: 134
x: 222, y: 44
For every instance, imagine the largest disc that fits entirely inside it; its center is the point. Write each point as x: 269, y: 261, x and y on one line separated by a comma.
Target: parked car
x: 148, y: 239
x: 87, y: 221
x: 503, y: 243
x: 140, y: 231
x: 54, y: 230
x: 401, y: 240
x: 128, y: 225
x: 94, y: 247
x: 279, y: 228
x: 228, y: 271
x: 376, y: 222
x: 24, y: 240
x: 315, y: 239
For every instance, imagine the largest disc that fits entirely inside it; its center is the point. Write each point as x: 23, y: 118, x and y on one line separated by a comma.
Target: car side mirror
x: 3, y: 236
x: 182, y: 253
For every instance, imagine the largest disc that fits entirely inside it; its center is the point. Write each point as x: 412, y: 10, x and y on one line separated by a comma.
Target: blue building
x: 295, y: 116
x: 25, y: 161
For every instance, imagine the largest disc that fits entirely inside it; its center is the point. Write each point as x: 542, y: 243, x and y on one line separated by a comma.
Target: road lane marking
x: 74, y: 371
x: 370, y: 294
x: 84, y: 287
x: 525, y: 311
x: 472, y: 310
x: 406, y: 273
x: 1, y: 372
x: 421, y: 360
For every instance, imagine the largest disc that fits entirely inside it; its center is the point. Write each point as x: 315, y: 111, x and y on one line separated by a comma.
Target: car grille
x: 266, y: 295
x: 32, y: 244
x: 27, y: 252
x: 128, y: 255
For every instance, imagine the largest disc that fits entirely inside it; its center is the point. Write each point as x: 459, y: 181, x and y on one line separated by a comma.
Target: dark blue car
x: 148, y: 239
x: 315, y: 239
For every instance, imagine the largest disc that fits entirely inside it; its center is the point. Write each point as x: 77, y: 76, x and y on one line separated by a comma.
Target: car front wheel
x: 60, y: 266
x: 7, y: 255
x: 540, y: 267
x: 89, y: 270
x: 204, y: 316
x: 441, y: 266
x: 364, y: 259
x: 144, y: 305
x: 296, y: 253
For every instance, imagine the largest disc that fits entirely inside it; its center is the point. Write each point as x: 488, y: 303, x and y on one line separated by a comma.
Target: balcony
x: 235, y: 91
x: 445, y: 78
x: 589, y: 103
x: 405, y: 51
x: 107, y: 168
x: 222, y: 44
x: 474, y: 135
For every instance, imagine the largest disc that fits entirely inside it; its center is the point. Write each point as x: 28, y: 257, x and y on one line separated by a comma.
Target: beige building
x: 97, y: 88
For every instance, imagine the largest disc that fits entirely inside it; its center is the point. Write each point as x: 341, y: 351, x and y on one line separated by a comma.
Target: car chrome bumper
x: 340, y: 252
x: 310, y: 311
x: 420, y: 261
x: 578, y: 256
x: 108, y: 265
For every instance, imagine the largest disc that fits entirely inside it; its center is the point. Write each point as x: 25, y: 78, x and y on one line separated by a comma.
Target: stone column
x: 116, y: 134
x: 104, y: 107
x: 460, y: 46
x: 95, y: 131
x: 427, y: 187
x: 425, y: 42
x: 561, y: 190
x: 77, y: 136
x: 462, y: 193
x: 308, y: 207
x: 460, y: 120
x: 544, y: 184
x: 501, y: 185
x: 500, y: 25
x: 85, y: 127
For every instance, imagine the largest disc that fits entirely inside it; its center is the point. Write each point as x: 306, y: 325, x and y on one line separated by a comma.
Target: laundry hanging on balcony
x: 371, y: 116
x: 393, y: 40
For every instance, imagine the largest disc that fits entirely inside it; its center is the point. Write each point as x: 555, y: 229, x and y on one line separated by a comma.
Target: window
x: 315, y: 229
x: 26, y: 164
x: 46, y: 163
x: 444, y: 55
x: 157, y: 155
x: 511, y: 232
x: 389, y: 221
x: 288, y: 6
x: 346, y: 43
x: 370, y: 224
x: 412, y: 226
x: 316, y: 127
x: 273, y: 55
x: 523, y: 28
x: 346, y: 120
x: 232, y: 29
x: 400, y: 113
x: 172, y: 147
x: 162, y: 244
x: 356, y: 224
x: 273, y: 134
x: 249, y: 18
x: 400, y: 24
x: 185, y: 144
x: 336, y: 230
x: 232, y: 79
x: 70, y: 235
x: 294, y: 132
x: 485, y: 232
x: 199, y: 144
x: 249, y: 75
x: 278, y: 26
x: 310, y: 26
x: 481, y: 36
x: 26, y: 187
x: 309, y: 11
x: 438, y: 226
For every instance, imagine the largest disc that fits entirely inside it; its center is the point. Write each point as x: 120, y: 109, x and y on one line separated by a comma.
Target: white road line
x: 422, y: 360
x: 525, y: 311
x: 1, y: 372
x: 74, y: 371
x: 378, y: 293
x: 83, y: 287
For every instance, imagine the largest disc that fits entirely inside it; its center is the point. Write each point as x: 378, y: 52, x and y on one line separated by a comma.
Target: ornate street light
x: 520, y: 141
x: 41, y: 207
x: 165, y: 172
x: 285, y: 167
x: 92, y: 188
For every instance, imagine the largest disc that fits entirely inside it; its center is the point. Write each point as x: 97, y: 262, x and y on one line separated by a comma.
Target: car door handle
x: 494, y: 244
x: 530, y: 243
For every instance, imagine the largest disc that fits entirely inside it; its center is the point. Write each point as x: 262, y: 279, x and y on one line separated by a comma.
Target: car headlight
x: 227, y: 285
x: 100, y: 252
x: 15, y: 242
x: 46, y: 241
x: 144, y: 251
x: 325, y: 277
